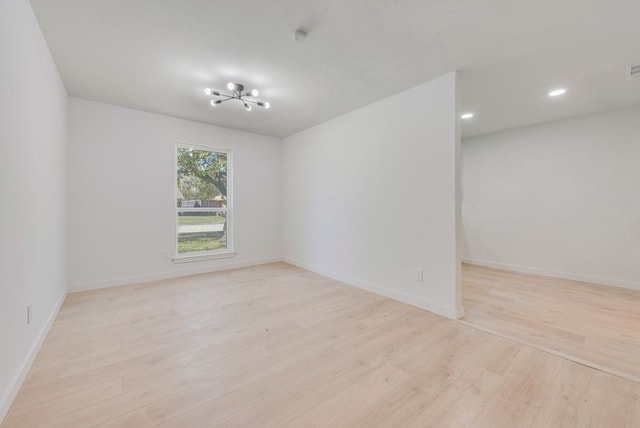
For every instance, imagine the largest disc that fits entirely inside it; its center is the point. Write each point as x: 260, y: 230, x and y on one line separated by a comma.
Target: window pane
x: 202, y: 231
x: 202, y: 178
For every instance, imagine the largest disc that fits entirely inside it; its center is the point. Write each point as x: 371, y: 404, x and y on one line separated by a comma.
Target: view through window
x: 203, y: 208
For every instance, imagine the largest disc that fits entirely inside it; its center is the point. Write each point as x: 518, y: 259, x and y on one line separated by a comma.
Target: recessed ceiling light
x: 466, y: 116
x: 557, y: 92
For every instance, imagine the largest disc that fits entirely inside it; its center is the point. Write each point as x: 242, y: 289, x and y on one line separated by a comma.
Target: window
x: 203, y: 195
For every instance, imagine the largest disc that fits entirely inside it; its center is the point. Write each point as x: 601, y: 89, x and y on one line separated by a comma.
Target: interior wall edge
x: 458, y: 183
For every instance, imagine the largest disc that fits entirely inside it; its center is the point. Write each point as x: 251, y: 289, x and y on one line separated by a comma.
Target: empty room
x: 319, y: 213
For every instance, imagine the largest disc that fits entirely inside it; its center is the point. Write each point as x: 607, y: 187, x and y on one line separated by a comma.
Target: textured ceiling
x: 158, y: 56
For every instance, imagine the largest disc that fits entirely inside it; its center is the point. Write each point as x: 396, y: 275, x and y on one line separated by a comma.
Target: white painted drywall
x: 33, y: 109
x: 370, y: 196
x: 562, y: 198
x: 122, y: 195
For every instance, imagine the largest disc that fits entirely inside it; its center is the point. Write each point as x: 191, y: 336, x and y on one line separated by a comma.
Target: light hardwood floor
x: 275, y: 345
x: 592, y: 324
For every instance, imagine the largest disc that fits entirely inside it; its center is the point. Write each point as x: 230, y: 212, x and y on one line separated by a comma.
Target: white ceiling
x: 159, y: 55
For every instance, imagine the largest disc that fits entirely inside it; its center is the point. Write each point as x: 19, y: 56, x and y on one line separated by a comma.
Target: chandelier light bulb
x: 208, y: 91
x: 213, y: 103
x: 247, y: 107
x: 267, y: 105
x: 255, y: 92
x: 231, y: 86
x: 557, y: 92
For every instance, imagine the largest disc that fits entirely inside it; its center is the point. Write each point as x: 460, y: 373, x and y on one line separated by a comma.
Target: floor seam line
x: 559, y: 354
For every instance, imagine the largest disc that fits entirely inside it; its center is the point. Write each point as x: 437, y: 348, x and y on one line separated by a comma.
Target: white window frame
x: 204, y: 255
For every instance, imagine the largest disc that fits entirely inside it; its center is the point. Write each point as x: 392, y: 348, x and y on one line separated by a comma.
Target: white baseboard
x: 21, y: 374
x: 168, y: 275
x: 556, y: 274
x: 452, y: 313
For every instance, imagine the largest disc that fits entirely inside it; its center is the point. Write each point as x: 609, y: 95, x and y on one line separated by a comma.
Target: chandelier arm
x: 251, y: 101
x: 220, y: 101
x: 220, y: 94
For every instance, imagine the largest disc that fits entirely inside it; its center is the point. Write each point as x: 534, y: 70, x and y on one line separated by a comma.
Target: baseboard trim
x: 14, y: 387
x: 168, y: 275
x: 556, y: 274
x: 453, y: 313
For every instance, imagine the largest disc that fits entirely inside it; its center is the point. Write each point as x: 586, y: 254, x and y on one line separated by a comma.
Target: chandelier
x: 237, y: 93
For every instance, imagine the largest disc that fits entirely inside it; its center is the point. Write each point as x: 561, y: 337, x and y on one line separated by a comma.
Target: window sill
x: 188, y: 258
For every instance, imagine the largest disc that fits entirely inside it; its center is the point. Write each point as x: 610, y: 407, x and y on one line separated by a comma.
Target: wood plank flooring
x: 593, y: 324
x: 275, y: 345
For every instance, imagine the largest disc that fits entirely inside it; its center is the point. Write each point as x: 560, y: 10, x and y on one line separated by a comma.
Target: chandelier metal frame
x: 239, y: 93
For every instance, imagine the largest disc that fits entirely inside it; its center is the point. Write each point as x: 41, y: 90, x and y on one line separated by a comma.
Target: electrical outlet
x: 419, y: 275
x: 29, y: 313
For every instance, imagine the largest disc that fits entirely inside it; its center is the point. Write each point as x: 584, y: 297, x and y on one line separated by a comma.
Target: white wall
x: 562, y: 198
x: 371, y: 196
x: 33, y: 108
x: 122, y: 194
